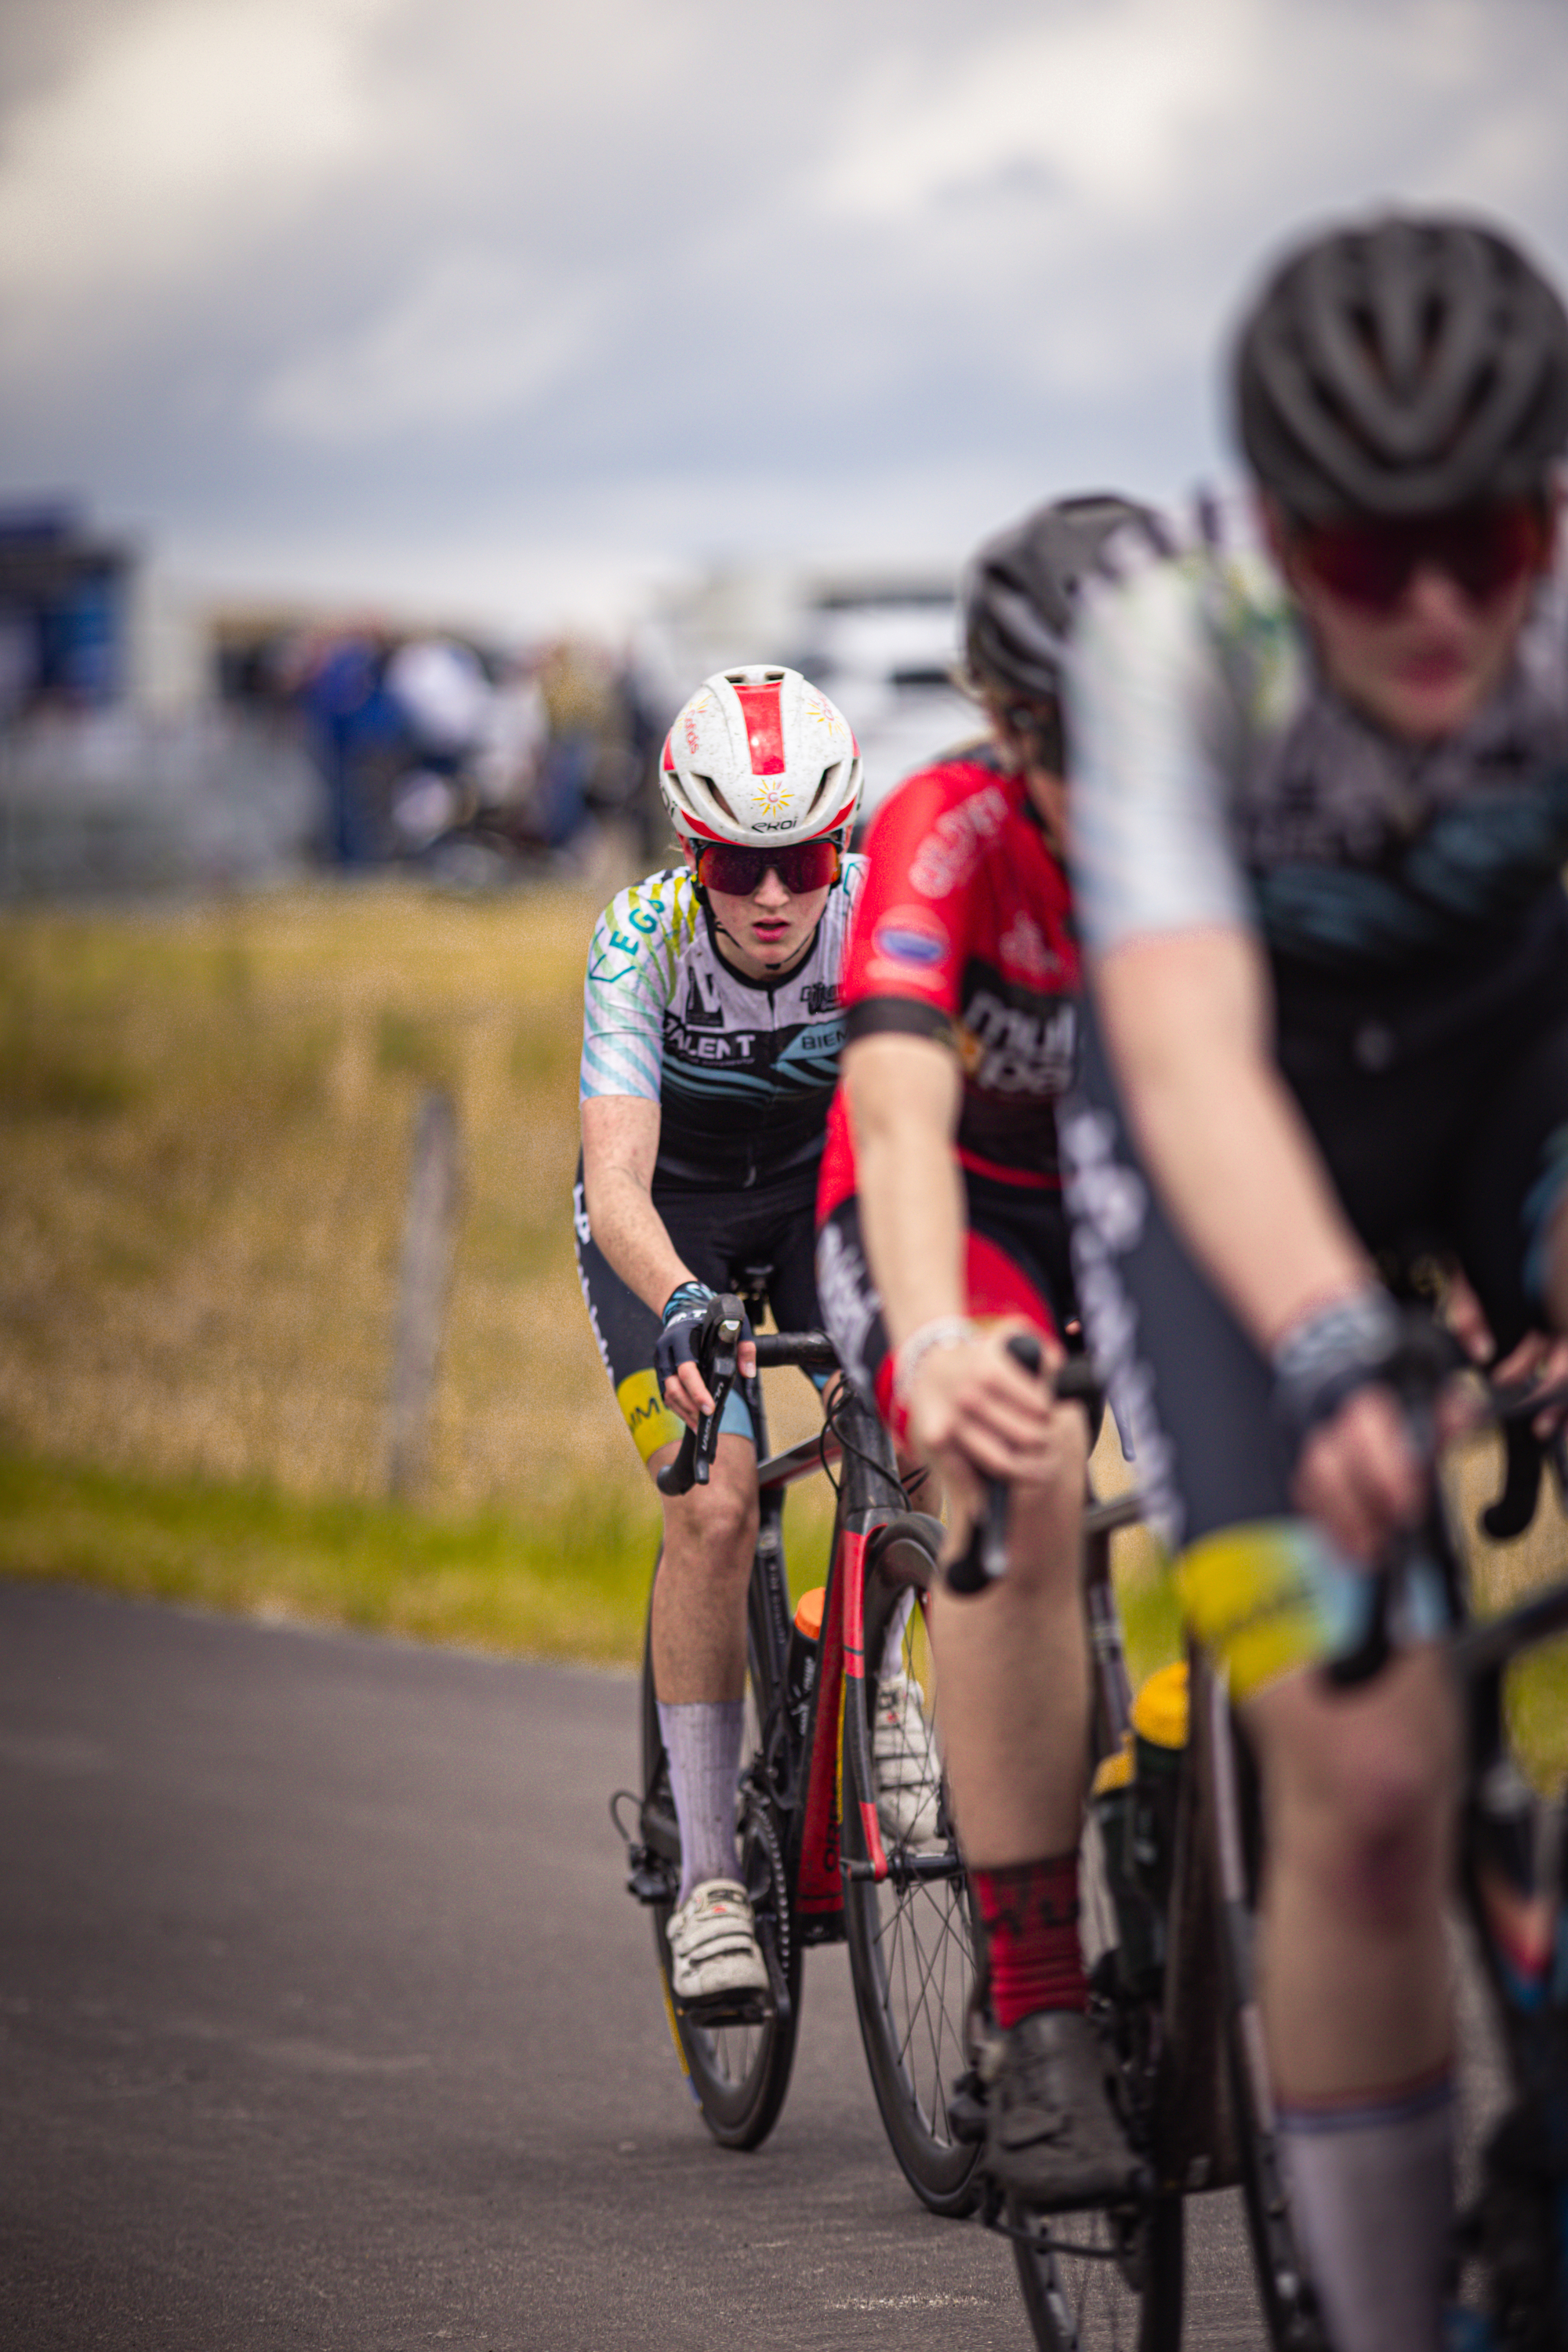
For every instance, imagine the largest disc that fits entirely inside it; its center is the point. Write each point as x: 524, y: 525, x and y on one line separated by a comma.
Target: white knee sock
x: 703, y: 1740
x: 1372, y: 2196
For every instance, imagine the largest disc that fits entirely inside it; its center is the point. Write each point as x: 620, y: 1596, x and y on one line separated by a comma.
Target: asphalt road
x: 325, y: 2021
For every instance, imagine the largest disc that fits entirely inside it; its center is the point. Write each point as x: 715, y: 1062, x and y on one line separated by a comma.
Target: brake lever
x: 717, y: 1353
x: 984, y: 1557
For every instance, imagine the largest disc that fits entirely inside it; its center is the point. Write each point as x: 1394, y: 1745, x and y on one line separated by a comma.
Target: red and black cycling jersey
x: 964, y: 932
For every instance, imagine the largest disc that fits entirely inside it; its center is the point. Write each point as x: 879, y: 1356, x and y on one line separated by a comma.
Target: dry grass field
x: 205, y: 1123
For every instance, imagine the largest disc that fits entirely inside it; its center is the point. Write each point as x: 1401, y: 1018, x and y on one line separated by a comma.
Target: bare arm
x: 904, y: 1095
x: 620, y: 1147
x: 1187, y: 1021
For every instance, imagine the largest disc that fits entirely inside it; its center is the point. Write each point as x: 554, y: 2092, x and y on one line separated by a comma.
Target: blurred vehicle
x: 888, y: 654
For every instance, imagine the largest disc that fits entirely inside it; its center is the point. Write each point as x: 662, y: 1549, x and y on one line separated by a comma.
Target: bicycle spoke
x: 917, y: 1973
x: 912, y: 1960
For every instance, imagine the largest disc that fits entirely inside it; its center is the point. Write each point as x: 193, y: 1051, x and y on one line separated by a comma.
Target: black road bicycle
x: 820, y: 1861
x: 1172, y: 1861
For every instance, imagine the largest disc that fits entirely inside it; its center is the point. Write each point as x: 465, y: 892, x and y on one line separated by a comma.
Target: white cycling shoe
x: 713, y: 1944
x: 904, y: 1761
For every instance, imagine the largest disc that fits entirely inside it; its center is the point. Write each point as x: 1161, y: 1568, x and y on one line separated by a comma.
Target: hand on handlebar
x: 976, y: 1414
x: 681, y: 1383
x: 1360, y: 1478
x: 1539, y: 1361
x: 687, y: 1394
x: 984, y: 1555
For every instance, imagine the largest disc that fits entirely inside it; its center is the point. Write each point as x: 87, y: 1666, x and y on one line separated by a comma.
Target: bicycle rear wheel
x: 911, y: 1936
x: 739, y: 2072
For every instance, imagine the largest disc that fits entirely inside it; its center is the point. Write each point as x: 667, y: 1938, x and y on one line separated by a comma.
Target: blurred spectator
x: 356, y: 731
x: 443, y: 697
x: 642, y: 726
x: 577, y: 701
x: 516, y: 735
x: 447, y: 705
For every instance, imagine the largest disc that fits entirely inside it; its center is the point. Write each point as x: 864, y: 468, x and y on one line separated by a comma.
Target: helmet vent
x: 709, y: 787
x: 822, y: 782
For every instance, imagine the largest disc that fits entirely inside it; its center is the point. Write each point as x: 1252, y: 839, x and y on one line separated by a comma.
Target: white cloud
x: 1104, y: 105
x: 183, y: 122
x: 474, y: 335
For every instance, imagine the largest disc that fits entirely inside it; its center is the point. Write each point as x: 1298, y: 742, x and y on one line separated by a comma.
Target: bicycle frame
x: 811, y: 1798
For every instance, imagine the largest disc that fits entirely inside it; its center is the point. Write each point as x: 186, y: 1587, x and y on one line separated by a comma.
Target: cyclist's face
x: 769, y: 931
x: 1426, y: 664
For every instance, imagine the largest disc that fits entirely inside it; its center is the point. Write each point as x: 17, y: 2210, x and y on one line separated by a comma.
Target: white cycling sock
x: 1372, y: 2196
x: 703, y: 1740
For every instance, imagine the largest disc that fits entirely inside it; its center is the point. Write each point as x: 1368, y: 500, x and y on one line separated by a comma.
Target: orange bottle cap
x: 809, y: 1612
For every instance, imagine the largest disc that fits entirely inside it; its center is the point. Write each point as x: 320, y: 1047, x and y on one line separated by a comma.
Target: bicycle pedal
x: 648, y: 1886
x: 727, y: 2009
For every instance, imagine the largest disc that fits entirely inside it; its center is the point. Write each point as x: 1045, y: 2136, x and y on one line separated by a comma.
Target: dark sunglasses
x: 801, y: 865
x: 1370, y: 562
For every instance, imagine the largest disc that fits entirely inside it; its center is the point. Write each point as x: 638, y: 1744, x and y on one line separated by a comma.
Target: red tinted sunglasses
x: 1370, y: 562
x: 737, y: 871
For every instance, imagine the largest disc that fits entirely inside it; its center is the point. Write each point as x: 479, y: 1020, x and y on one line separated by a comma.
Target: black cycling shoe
x: 1053, y: 2138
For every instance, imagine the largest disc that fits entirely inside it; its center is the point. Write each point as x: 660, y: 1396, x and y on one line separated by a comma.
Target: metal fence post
x: 429, y: 1233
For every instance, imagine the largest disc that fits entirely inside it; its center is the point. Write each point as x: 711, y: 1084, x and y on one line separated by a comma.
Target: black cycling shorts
x: 1016, y: 1263
x: 1441, y: 1109
x: 719, y: 1235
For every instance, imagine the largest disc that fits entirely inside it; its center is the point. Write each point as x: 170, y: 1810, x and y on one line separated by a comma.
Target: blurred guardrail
x: 115, y: 801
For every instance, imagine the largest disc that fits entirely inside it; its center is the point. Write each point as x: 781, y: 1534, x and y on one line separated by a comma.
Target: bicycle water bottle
x: 1134, y: 1801
x: 1139, y: 1949
x: 800, y: 1666
x: 1159, y: 1740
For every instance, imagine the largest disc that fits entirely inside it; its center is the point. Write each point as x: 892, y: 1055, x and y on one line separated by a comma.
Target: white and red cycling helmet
x: 760, y: 756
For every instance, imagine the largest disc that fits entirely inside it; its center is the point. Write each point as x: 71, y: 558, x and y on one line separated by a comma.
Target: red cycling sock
x: 1030, y: 1911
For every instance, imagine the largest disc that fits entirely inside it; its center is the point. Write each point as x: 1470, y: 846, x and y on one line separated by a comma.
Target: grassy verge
x: 573, y: 1584
x: 576, y: 1589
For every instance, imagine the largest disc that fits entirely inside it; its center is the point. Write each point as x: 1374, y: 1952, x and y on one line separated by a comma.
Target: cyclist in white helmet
x: 711, y: 1037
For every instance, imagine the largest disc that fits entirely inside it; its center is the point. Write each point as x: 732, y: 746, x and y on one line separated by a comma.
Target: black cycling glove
x: 685, y: 1311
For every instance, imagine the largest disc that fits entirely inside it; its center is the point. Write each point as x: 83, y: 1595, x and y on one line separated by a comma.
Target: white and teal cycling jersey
x: 742, y: 1069
x: 1218, y: 779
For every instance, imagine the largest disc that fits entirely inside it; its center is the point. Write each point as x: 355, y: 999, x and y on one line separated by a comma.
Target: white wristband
x: 942, y: 1331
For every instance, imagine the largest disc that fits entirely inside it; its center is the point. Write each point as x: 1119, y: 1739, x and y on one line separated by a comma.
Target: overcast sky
x: 511, y: 307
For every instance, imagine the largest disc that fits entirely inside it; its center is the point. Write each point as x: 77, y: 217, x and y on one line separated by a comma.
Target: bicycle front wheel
x: 912, y: 1935
x: 739, y: 2072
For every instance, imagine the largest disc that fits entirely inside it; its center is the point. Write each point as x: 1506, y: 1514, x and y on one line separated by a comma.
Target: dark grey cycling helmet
x: 1400, y: 368
x: 1019, y: 591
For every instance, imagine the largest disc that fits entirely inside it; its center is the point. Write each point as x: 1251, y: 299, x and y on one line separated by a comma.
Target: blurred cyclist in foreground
x: 1320, y: 810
